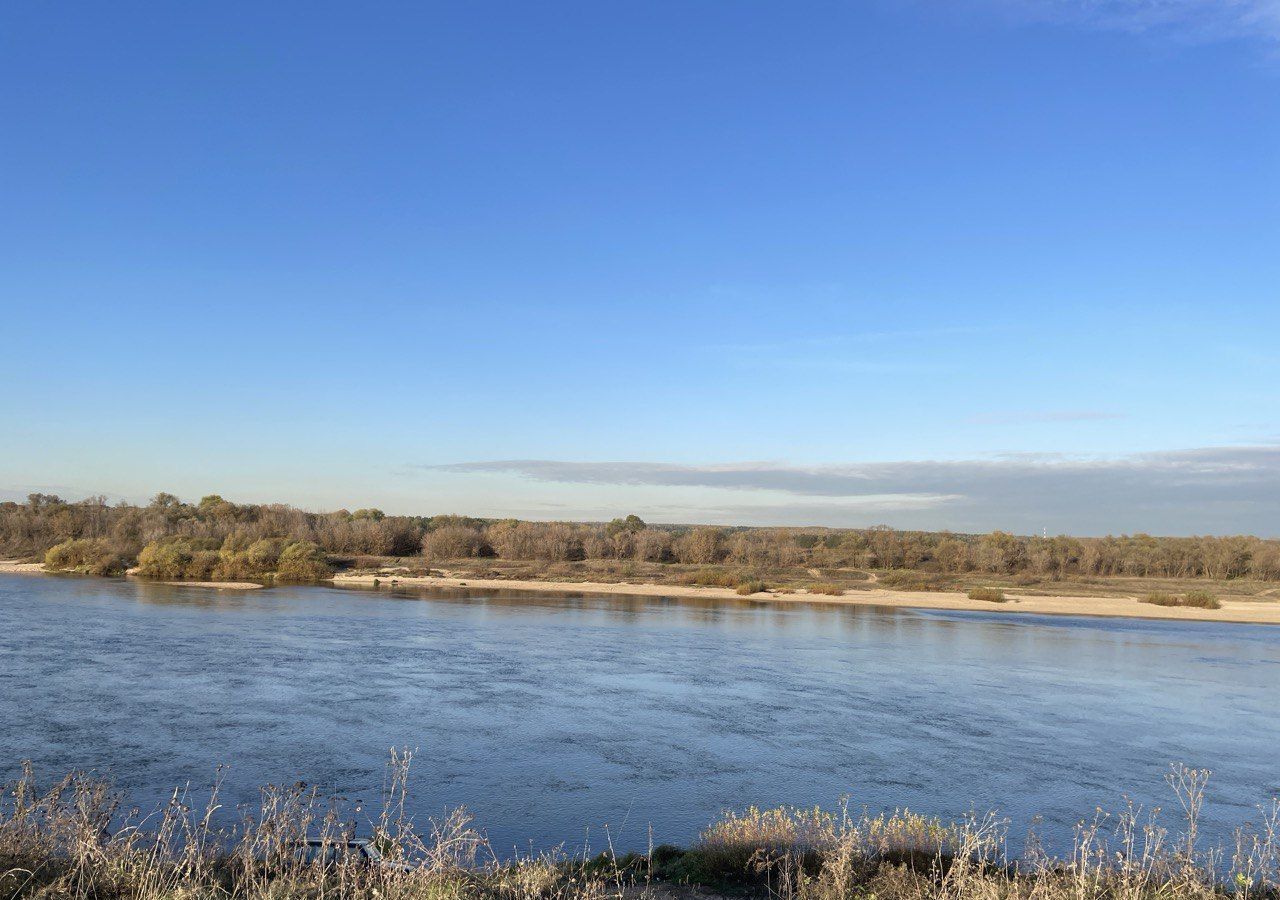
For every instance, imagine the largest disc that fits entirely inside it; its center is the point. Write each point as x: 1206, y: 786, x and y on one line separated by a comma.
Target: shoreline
x: 1237, y: 611
x: 12, y: 567
x: 216, y: 585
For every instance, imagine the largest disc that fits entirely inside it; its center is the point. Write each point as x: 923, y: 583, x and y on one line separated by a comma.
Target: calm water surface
x: 551, y: 717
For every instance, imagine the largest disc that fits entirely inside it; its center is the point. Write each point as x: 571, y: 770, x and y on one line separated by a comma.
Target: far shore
x: 12, y: 567
x: 1240, y: 611
x: 220, y: 585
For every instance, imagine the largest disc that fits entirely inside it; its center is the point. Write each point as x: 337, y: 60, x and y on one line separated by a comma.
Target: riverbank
x: 218, y: 585
x: 12, y: 567
x: 1254, y: 612
x: 1261, y: 612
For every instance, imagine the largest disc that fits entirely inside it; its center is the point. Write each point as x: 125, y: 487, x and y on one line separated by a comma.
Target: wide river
x: 554, y: 716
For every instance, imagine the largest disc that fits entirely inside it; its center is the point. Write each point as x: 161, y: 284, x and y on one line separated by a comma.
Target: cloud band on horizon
x: 1202, y: 490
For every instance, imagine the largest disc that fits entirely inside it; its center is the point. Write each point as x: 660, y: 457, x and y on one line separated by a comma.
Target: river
x: 554, y: 718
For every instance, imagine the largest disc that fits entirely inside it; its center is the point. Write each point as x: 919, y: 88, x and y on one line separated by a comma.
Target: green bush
x: 175, y: 557
x: 197, y: 559
x: 989, y: 594
x: 302, y: 561
x: 90, y: 557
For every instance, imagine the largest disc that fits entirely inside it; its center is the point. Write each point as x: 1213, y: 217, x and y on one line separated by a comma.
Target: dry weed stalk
x: 73, y: 842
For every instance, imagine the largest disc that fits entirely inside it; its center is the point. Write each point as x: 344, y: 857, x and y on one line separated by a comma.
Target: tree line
x: 216, y: 538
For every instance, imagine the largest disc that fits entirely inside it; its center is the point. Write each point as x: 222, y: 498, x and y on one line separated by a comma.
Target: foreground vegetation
x: 73, y: 840
x: 218, y: 539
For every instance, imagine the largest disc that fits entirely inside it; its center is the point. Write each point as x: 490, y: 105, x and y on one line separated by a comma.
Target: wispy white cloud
x: 1193, y: 20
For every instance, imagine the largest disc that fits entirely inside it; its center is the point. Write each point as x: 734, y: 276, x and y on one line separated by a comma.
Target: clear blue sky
x: 962, y: 265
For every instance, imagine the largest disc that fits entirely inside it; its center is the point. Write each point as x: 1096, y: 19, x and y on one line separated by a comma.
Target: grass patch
x: 1201, y: 599
x: 720, y: 578
x: 1197, y: 599
x: 988, y: 594
x: 711, y: 578
x: 915, y: 581
x: 826, y: 587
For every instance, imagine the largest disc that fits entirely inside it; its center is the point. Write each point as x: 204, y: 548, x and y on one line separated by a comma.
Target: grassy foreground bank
x: 72, y: 840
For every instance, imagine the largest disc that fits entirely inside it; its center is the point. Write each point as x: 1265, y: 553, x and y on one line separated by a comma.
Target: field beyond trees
x: 220, y: 540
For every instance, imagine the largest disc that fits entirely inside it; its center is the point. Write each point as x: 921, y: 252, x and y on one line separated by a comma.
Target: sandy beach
x: 12, y: 567
x: 218, y: 585
x: 1254, y: 612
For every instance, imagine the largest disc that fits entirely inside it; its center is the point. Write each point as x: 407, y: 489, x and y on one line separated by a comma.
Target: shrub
x: 302, y: 561
x: 195, y: 559
x: 702, y: 545
x: 90, y: 557
x: 452, y: 542
x: 751, y: 586
x: 172, y: 558
x: 989, y: 594
x: 826, y: 587
x: 237, y: 561
x: 202, y: 565
x: 264, y: 555
x: 1157, y: 598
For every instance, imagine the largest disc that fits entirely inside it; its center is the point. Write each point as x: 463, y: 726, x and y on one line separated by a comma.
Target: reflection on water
x: 551, y: 715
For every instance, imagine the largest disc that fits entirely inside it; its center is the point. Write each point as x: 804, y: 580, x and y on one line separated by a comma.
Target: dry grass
x: 1201, y: 600
x: 743, y: 584
x: 73, y: 842
x: 816, y: 855
x: 989, y: 594
x: 1197, y: 599
x: 903, y: 580
x: 711, y: 578
x: 826, y: 587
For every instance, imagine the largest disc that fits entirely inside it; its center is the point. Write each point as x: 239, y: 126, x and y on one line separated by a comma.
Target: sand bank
x: 220, y: 585
x: 13, y: 567
x: 1257, y: 612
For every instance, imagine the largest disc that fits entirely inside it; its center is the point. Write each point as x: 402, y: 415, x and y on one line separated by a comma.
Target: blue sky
x: 956, y: 265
